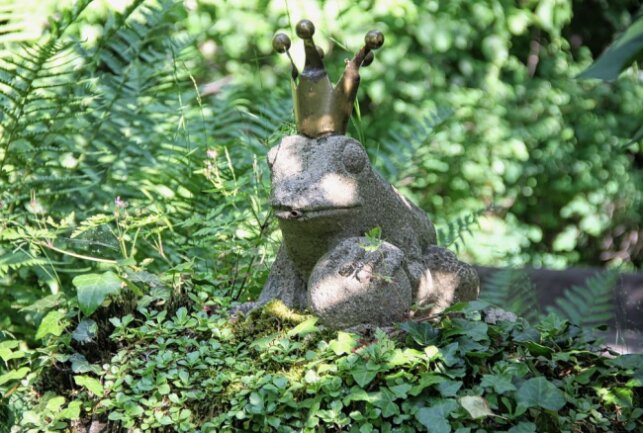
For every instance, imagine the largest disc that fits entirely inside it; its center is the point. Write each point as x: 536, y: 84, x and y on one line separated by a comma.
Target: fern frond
x: 589, y: 305
x: 455, y: 230
x: 511, y: 290
x: 14, y: 261
x: 404, y: 142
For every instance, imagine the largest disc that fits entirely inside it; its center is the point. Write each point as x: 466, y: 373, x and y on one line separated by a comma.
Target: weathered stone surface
x: 445, y: 280
x: 351, y: 286
x: 324, y: 192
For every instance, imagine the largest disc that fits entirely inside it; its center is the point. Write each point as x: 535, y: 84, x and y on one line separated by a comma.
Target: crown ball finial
x: 281, y: 43
x: 374, y: 39
x: 305, y: 29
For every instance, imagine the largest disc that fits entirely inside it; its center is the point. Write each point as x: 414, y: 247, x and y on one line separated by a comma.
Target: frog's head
x: 318, y: 178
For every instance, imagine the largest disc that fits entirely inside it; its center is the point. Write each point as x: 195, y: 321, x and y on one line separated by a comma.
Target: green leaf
x: 6, y: 350
x: 85, y: 331
x: 500, y: 383
x: 434, y: 418
x: 401, y: 390
x: 423, y: 333
x: 619, y: 396
x: 304, y: 328
x: 362, y: 375
x: 627, y: 361
x: 344, y: 343
x: 71, y: 412
x: 449, y: 388
x: 476, y: 406
x: 14, y: 375
x: 619, y: 55
x: 539, y: 392
x: 93, y: 385
x: 94, y: 288
x: 55, y: 403
x: 523, y: 427
x: 385, y: 400
x: 426, y: 380
x: 356, y: 394
x: 51, y: 324
x: 79, y: 364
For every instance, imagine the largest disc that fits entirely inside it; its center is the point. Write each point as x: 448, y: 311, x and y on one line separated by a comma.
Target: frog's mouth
x: 294, y: 214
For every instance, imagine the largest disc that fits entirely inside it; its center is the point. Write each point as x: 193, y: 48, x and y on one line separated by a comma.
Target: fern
x: 512, y: 290
x: 453, y: 233
x: 591, y: 304
x: 398, y: 151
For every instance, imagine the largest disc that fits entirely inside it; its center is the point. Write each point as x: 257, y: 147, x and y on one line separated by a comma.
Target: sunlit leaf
x: 94, y: 288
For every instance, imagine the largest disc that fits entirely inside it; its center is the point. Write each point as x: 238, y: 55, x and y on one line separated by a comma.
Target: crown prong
x: 281, y: 44
x: 373, y: 40
x: 349, y: 82
x: 314, y: 66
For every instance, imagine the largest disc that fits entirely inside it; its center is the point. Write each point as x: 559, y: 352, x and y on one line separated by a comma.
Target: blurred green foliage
x: 553, y: 152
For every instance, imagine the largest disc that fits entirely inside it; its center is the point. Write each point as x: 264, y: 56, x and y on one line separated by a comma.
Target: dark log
x: 628, y: 314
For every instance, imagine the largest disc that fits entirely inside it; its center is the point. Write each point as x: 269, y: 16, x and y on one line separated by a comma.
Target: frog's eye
x: 354, y: 158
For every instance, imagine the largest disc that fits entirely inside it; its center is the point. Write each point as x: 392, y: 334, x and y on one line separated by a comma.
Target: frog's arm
x: 284, y: 283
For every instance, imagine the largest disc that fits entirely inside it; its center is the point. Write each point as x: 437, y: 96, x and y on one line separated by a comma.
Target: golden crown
x: 320, y: 108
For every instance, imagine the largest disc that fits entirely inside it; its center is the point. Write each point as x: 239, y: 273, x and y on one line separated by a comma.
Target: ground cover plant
x: 133, y: 214
x: 193, y: 369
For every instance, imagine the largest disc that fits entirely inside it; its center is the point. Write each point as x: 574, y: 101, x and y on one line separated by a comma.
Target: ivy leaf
x: 477, y: 331
x: 401, y: 390
x: 434, y: 418
x: 356, y: 394
x: 385, y: 400
x: 85, y: 331
x: 51, y: 324
x: 362, y: 375
x: 523, y: 427
x: 539, y: 392
x: 423, y: 333
x: 476, y: 406
x: 6, y: 350
x: 14, y: 375
x: 450, y: 354
x: 426, y: 380
x: 71, y: 412
x: 55, y: 403
x: 304, y: 328
x: 94, y: 288
x: 344, y: 343
x: 449, y: 388
x: 93, y: 385
x: 79, y: 364
x: 499, y: 383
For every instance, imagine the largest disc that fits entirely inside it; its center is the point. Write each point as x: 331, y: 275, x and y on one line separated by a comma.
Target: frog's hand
x: 350, y: 285
x: 445, y: 280
x: 284, y: 283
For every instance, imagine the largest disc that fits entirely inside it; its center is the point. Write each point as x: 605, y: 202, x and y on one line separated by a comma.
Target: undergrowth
x: 197, y: 369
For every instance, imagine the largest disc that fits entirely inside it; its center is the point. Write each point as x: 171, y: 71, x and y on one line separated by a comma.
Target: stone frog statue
x: 327, y: 197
